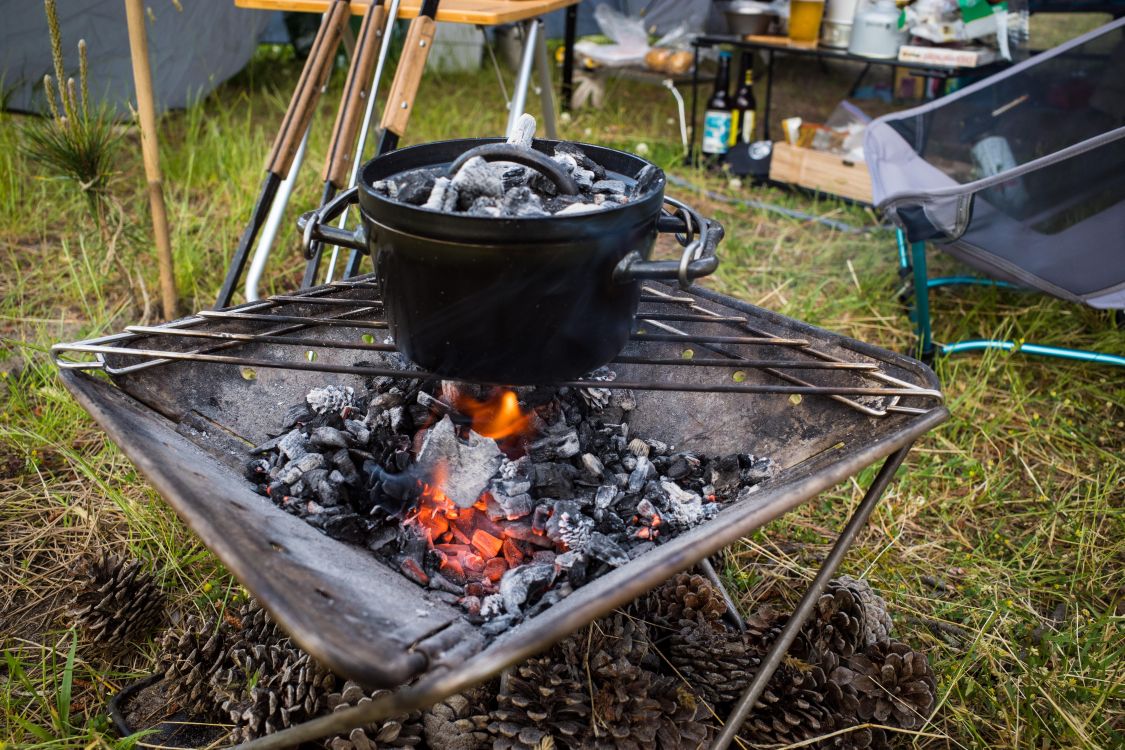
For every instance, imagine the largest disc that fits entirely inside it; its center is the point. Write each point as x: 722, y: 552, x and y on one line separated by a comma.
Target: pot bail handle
x: 697, y: 260
x: 528, y: 157
x: 315, y: 227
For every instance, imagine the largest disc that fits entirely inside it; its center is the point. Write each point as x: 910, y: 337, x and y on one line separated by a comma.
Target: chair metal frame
x: 912, y: 263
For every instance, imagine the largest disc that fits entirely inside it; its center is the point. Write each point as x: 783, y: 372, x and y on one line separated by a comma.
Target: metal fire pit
x: 185, y: 400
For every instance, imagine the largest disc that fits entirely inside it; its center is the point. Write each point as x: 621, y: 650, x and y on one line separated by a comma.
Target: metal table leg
x: 273, y: 222
x: 568, y: 56
x: 789, y: 633
x: 546, y: 90
x: 518, y: 105
x: 694, y: 99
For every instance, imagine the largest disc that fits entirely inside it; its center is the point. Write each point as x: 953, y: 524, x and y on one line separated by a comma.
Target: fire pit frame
x: 445, y: 655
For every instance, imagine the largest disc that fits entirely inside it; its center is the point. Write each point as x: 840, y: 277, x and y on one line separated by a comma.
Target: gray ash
x: 503, y: 526
x: 507, y: 190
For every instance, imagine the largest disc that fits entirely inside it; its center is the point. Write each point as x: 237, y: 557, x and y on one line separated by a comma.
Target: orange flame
x: 498, y: 417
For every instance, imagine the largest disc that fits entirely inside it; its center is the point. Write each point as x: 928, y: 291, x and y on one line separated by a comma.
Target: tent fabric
x: 194, y: 45
x: 1022, y: 174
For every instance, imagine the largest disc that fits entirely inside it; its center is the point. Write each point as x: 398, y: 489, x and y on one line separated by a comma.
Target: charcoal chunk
x: 469, y: 465
x: 347, y: 527
x: 414, y: 187
x: 328, y: 437
x: 522, y: 585
x: 293, y: 445
x: 603, y: 548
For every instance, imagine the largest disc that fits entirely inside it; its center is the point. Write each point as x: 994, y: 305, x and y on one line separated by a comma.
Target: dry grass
x: 1000, y: 547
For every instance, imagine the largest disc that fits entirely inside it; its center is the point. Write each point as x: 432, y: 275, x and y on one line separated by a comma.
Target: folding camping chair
x: 1020, y: 175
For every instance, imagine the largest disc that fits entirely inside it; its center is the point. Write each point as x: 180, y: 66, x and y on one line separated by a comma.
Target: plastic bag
x: 843, y: 132
x: 629, y: 36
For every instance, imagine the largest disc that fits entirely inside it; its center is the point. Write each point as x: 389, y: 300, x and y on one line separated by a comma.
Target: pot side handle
x: 315, y: 225
x: 698, y: 259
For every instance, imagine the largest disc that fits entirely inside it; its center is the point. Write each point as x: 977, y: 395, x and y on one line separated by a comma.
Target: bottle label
x: 742, y: 126
x: 748, y: 122
x: 716, y: 131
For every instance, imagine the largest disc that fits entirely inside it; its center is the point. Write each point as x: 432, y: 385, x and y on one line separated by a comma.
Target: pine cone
x: 685, y: 723
x: 877, y: 620
x: 793, y: 708
x: 116, y: 602
x: 686, y: 597
x: 543, y: 701
x: 401, y: 731
x: 191, y: 656
x: 716, y: 663
x: 619, y: 635
x: 291, y: 688
x: 626, y: 716
x: 460, y: 722
x: 838, y: 624
x: 893, y: 683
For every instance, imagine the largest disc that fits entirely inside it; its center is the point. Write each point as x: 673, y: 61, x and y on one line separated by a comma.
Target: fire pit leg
x: 804, y: 609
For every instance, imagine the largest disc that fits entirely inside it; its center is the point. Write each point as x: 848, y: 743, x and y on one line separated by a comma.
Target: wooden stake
x: 146, y: 111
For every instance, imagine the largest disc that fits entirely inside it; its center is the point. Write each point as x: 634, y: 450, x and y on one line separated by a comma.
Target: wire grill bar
x: 860, y: 385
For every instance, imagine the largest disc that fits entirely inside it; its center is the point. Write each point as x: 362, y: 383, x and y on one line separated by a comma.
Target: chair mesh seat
x: 1021, y: 175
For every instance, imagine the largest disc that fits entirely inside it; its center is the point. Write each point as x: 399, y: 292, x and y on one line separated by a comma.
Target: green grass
x: 1000, y: 547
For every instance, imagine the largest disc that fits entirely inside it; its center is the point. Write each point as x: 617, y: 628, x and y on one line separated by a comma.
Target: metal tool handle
x: 313, y: 77
x: 357, y: 89
x: 316, y: 227
x: 698, y: 259
x: 531, y: 158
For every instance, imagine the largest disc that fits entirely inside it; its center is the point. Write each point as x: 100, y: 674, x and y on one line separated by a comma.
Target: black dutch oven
x: 514, y: 301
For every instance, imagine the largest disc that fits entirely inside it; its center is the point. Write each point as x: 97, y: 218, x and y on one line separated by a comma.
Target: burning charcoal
x: 415, y: 186
x: 593, y: 467
x: 476, y: 179
x: 277, y: 489
x: 495, y: 568
x: 540, y: 518
x: 412, y: 570
x: 606, y: 496
x: 520, y: 201
x: 293, y: 445
x: 267, y: 447
x: 385, y: 187
x: 545, y: 556
x: 348, y: 527
x: 646, y: 180
x: 257, y: 470
x: 294, y: 469
x: 605, y: 549
x: 511, y: 487
x: 514, y: 178
x: 358, y: 430
x: 560, y: 442
x: 523, y: 584
x: 438, y: 582
x: 579, y: 208
x: 512, y: 508
x: 484, y: 206
x: 437, y: 194
x: 435, y: 405
x: 687, y: 508
x: 344, y: 464
x: 327, y: 492
x: 328, y: 437
x: 331, y: 398
x: 681, y: 465
x: 523, y: 131
x: 641, y: 474
x: 554, y: 479
x: 498, y: 625
x: 754, y: 469
x: 468, y: 465
x: 566, y: 161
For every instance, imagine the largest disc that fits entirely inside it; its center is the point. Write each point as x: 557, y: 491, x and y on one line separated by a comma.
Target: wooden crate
x: 820, y: 170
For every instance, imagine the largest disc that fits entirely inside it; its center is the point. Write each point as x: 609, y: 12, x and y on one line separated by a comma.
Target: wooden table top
x: 478, y: 12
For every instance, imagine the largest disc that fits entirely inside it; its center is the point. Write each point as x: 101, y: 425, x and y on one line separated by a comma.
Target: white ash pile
x: 555, y: 492
x: 509, y: 190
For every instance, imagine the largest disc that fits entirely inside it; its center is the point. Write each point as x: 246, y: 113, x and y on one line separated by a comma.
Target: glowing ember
x: 498, y: 417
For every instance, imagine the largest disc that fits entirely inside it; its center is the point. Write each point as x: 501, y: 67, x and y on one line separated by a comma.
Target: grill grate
x: 669, y: 321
